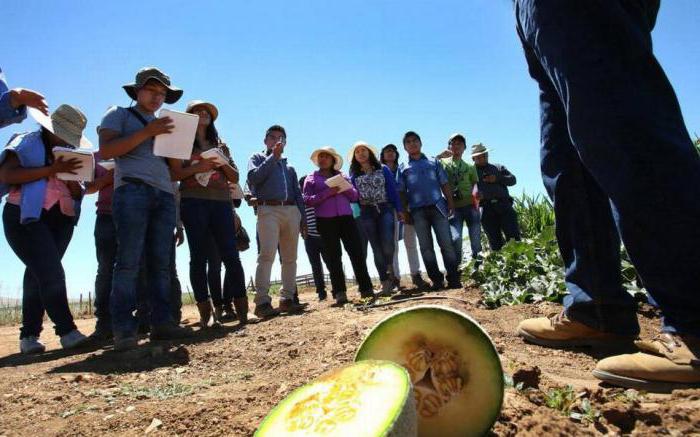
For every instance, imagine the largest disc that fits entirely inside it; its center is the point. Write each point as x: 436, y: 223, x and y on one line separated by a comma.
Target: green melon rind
x: 403, y: 421
x: 470, y: 325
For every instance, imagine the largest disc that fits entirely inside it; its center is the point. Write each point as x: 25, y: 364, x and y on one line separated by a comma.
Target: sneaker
x: 73, y: 339
x: 169, y: 331
x: 265, y: 311
x: 289, y: 306
x: 122, y: 344
x: 666, y: 363
x: 559, y: 331
x: 31, y: 345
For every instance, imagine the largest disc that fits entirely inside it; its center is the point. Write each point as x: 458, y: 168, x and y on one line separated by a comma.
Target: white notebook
x: 339, y: 181
x: 217, y: 154
x: 178, y: 143
x: 107, y: 165
x: 86, y: 173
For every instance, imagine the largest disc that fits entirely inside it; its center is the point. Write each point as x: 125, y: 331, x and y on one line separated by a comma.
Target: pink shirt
x: 317, y: 194
x: 56, y: 192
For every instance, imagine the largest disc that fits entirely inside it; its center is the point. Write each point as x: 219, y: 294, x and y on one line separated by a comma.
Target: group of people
x: 616, y: 159
x: 146, y: 203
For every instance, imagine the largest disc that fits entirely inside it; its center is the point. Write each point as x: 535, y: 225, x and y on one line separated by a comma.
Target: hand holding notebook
x: 85, y: 158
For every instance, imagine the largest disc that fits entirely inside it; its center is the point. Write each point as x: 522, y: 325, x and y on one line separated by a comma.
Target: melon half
x: 370, y: 398
x: 454, y: 367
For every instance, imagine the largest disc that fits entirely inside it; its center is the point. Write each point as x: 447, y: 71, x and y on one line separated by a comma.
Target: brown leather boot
x: 205, y: 310
x: 559, y: 331
x: 241, y: 305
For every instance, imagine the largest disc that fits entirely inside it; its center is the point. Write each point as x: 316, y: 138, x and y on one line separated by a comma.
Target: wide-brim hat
x: 331, y: 151
x: 372, y: 149
x: 147, y: 73
x: 209, y: 106
x: 66, y: 122
x: 479, y: 149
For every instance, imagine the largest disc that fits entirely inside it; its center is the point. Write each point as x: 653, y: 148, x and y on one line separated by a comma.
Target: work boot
x: 419, y: 282
x: 265, y: 311
x: 102, y: 333
x: 559, y: 331
x: 387, y: 288
x: 125, y: 343
x: 341, y: 299
x: 241, y: 304
x: 289, y: 306
x: 169, y: 331
x: 229, y: 315
x: 666, y: 363
x: 205, y: 311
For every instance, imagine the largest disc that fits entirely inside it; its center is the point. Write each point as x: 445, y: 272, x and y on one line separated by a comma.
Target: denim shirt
x: 421, y: 179
x: 8, y: 114
x: 270, y: 178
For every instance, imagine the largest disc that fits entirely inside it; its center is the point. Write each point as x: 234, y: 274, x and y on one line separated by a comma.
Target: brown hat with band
x: 147, y: 73
x: 209, y: 107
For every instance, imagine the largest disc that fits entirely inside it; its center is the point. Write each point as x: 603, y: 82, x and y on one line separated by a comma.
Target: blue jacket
x: 270, y: 178
x: 8, y: 114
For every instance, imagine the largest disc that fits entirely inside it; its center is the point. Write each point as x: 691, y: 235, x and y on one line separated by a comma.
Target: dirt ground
x: 225, y: 381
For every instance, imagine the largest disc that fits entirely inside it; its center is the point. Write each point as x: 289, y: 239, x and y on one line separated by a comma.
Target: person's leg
x: 370, y: 223
x: 398, y: 231
x: 175, y: 287
x: 225, y: 237
x: 32, y: 308
x: 410, y: 241
x: 288, y: 243
x: 509, y: 221
x: 106, y: 251
x: 348, y: 234
x: 268, y: 241
x: 330, y: 233
x: 364, y: 242
x: 422, y: 225
x: 195, y: 217
x: 441, y: 227
x: 40, y: 246
x: 159, y: 238
x: 386, y: 236
x: 131, y: 209
x: 474, y: 227
x: 456, y: 225
x: 312, y: 245
x: 491, y: 222
x: 214, y: 272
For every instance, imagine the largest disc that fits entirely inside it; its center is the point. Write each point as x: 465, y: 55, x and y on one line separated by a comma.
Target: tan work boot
x: 666, y: 363
x: 205, y: 310
x: 241, y: 304
x: 561, y: 332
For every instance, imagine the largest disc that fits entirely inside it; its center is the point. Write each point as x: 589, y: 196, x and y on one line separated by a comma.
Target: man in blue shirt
x: 424, y: 185
x: 14, y: 103
x: 280, y: 210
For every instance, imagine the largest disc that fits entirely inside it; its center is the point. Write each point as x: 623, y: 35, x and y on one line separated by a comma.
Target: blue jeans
x: 314, y: 250
x: 425, y: 219
x: 40, y: 245
x: 378, y: 225
x: 106, y: 250
x: 616, y: 160
x: 145, y: 220
x: 471, y: 216
x: 499, y: 219
x: 214, y: 273
x: 203, y: 219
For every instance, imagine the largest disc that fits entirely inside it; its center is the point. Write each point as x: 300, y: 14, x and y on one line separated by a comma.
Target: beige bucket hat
x: 331, y: 151
x: 364, y: 144
x: 147, y: 73
x: 213, y: 110
x: 479, y: 149
x: 66, y: 122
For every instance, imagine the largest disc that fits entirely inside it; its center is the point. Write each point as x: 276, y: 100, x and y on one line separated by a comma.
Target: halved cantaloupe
x: 370, y: 398
x: 453, y: 364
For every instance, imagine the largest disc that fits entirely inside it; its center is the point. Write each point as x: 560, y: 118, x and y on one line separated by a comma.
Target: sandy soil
x: 225, y: 381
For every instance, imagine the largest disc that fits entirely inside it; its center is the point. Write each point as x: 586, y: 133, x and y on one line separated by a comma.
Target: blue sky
x: 330, y: 72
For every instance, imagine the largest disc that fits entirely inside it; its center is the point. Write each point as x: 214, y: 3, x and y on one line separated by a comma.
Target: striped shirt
x: 311, y: 222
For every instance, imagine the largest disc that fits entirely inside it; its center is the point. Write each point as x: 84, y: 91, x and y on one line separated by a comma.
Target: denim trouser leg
x: 474, y: 227
x: 175, y: 287
x: 422, y: 221
x: 591, y: 59
x: 362, y: 236
x: 378, y: 226
x: 441, y: 227
x: 106, y: 251
x: 145, y: 220
x: 313, y: 247
x: 456, y: 225
x: 40, y: 245
x: 221, y: 228
x: 214, y: 273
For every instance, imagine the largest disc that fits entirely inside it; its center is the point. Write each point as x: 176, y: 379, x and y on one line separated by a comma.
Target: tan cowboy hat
x: 331, y: 151
x: 209, y: 107
x: 147, y: 73
x: 364, y: 144
x: 67, y: 123
x: 479, y: 149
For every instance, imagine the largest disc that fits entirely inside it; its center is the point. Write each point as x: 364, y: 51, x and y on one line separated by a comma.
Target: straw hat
x: 147, y: 73
x: 364, y: 144
x: 331, y: 151
x: 479, y: 149
x: 67, y: 123
x: 209, y: 106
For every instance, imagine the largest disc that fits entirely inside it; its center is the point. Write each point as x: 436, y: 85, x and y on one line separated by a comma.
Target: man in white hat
x: 14, y: 103
x: 498, y: 217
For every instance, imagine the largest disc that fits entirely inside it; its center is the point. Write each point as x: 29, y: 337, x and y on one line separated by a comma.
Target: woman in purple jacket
x: 335, y: 222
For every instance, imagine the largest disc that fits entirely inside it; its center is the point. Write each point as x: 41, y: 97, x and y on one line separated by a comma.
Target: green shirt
x: 462, y: 178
